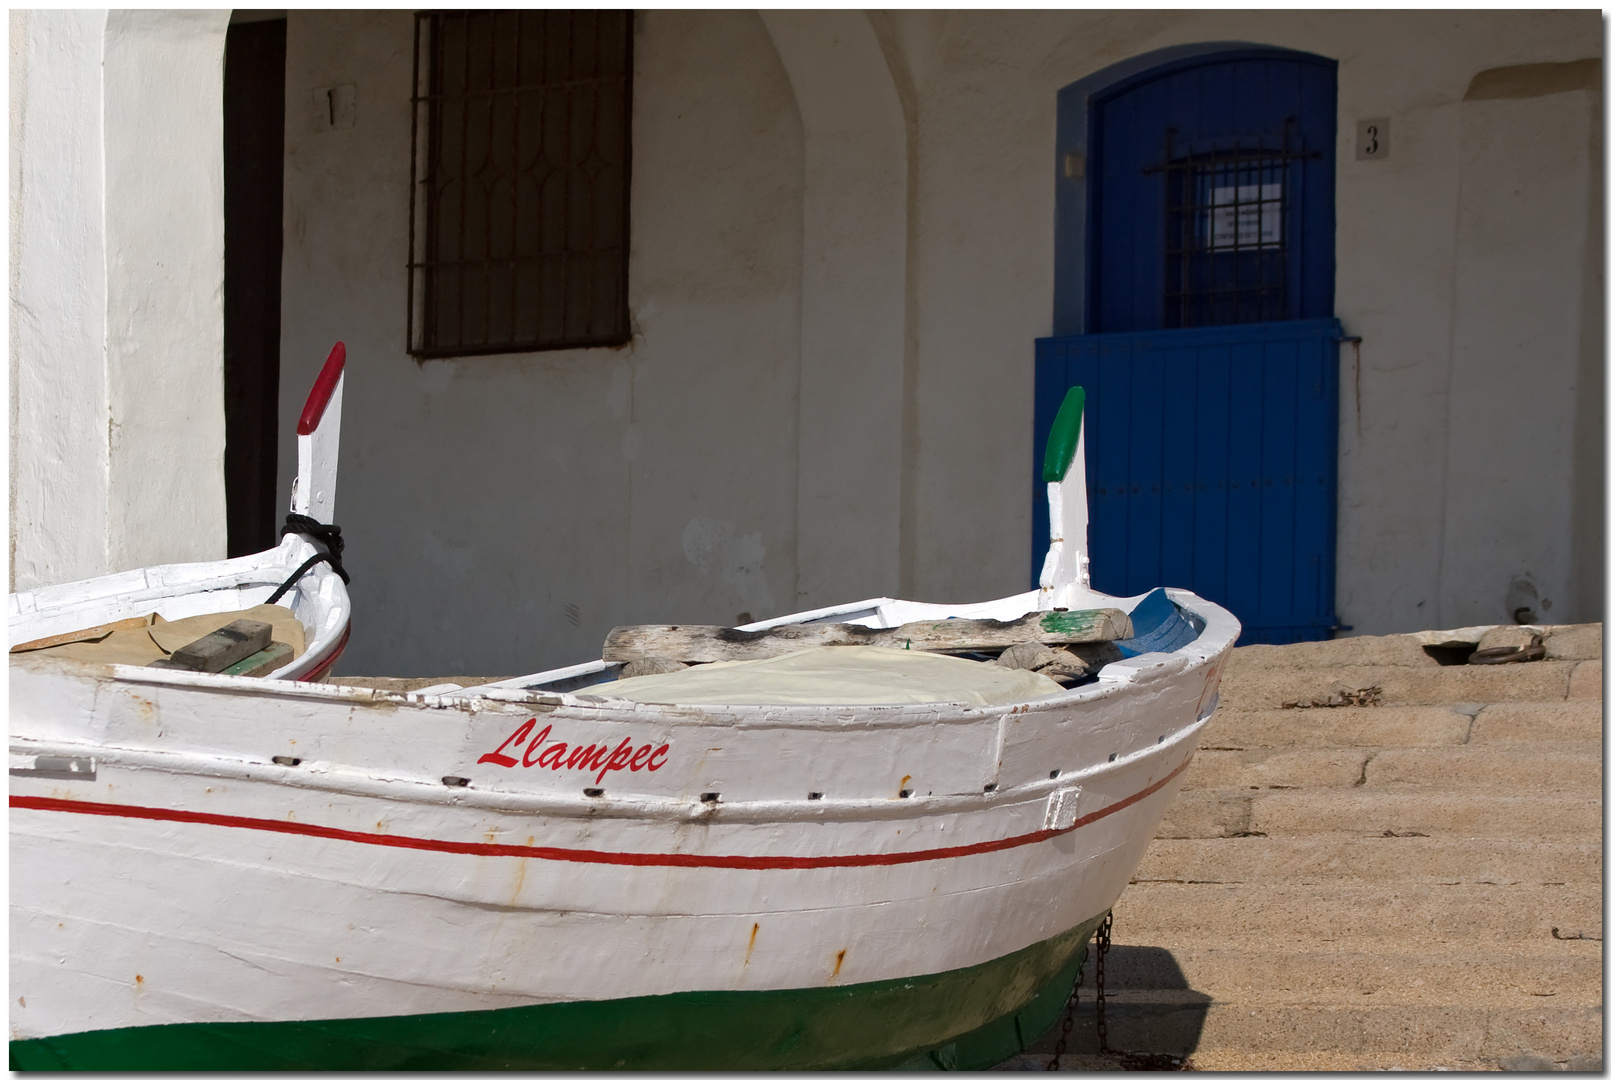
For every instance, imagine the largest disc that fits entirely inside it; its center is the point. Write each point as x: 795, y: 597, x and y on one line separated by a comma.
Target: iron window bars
x: 520, y: 181
x: 1228, y: 233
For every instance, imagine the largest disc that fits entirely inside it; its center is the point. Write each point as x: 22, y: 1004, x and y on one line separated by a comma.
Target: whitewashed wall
x: 116, y: 263
x: 1433, y: 529
x: 504, y: 512
x: 1525, y: 361
x: 841, y: 257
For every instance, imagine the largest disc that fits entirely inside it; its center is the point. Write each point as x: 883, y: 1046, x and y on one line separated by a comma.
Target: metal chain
x: 1056, y: 1064
x: 1130, y: 1061
x: 1104, y: 938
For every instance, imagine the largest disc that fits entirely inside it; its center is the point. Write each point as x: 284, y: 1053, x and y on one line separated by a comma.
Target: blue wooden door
x: 1211, y: 464
x: 1211, y: 366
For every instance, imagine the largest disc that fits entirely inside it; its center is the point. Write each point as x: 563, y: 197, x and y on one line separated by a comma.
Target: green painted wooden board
x: 276, y: 655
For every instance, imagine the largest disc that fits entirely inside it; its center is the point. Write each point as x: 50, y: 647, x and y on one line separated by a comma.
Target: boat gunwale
x: 326, y: 629
x: 1214, y: 639
x: 163, y: 579
x: 1144, y: 669
x: 321, y: 776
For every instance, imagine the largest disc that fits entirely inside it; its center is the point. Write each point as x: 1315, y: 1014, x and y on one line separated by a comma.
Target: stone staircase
x: 1414, y: 884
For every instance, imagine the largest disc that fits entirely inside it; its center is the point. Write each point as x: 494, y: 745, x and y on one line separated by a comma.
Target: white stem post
x: 318, y: 443
x: 1066, y: 574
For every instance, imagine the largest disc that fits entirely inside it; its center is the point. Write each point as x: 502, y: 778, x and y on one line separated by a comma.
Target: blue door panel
x: 1211, y: 460
x: 1211, y: 465
x: 1145, y: 519
x: 1179, y: 444
x: 1243, y: 541
x: 1277, y: 467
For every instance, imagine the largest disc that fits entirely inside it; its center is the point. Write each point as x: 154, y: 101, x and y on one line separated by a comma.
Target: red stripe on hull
x: 617, y: 858
x: 315, y: 673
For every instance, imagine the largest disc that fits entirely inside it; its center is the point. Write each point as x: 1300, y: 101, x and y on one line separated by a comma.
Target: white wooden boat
x: 301, y: 572
x: 540, y: 874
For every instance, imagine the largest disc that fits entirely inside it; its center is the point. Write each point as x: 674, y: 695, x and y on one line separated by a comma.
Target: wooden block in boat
x: 216, y: 651
x: 651, y: 665
x: 1066, y: 669
x: 1060, y: 664
x: 1027, y: 656
x: 702, y: 644
x: 1095, y: 654
x: 276, y: 656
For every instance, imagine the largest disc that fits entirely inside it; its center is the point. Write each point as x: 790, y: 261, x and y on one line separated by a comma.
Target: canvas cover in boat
x: 143, y: 644
x: 836, y: 675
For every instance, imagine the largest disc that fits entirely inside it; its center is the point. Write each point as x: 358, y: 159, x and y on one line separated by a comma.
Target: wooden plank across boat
x: 220, y: 872
x: 703, y: 644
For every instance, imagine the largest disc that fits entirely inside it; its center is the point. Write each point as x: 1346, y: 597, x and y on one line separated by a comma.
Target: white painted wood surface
x: 415, y: 884
x: 313, y: 492
x: 1065, y: 576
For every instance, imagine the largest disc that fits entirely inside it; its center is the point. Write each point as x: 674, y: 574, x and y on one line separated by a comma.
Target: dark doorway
x: 254, y: 173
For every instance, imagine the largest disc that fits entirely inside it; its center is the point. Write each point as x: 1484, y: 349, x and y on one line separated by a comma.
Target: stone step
x: 1379, y: 860
x: 1341, y: 915
x: 1441, y: 812
x: 1397, y: 650
x: 1230, y: 1059
x: 1488, y: 770
x: 1510, y: 976
x: 1563, y: 723
x: 1585, y: 685
x: 1570, y: 642
x: 1243, y: 1060
x: 1578, y: 642
x: 1325, y: 944
x: 1479, y: 770
x: 1366, y: 811
x: 1573, y: 723
x: 1476, y: 1034
x: 1245, y: 770
x: 1408, y: 725
x: 1542, y: 680
x: 1208, y: 815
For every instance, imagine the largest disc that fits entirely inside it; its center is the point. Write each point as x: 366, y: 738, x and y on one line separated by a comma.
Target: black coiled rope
x: 328, y: 535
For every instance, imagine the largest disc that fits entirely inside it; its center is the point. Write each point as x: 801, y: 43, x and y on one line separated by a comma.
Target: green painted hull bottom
x: 970, y: 1018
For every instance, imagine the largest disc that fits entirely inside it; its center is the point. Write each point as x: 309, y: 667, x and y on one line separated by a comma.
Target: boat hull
x: 969, y: 1018
x: 277, y: 871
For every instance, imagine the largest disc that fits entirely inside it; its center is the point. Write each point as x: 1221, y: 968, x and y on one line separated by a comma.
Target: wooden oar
x: 702, y: 644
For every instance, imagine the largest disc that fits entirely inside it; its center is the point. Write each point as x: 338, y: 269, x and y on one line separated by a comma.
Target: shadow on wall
x: 1150, y: 1007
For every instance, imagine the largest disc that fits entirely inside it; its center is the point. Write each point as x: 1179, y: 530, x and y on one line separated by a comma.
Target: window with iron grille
x: 1226, y: 231
x: 518, y: 234
x: 1231, y: 253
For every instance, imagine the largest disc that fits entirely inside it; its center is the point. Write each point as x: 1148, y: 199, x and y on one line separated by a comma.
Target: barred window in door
x: 518, y: 231
x: 1227, y: 242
